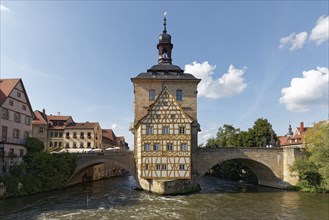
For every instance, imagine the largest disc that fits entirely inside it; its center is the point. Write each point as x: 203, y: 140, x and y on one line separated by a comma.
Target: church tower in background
x: 165, y: 126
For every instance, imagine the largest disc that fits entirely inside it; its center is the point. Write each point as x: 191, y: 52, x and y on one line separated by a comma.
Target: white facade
x: 16, y: 118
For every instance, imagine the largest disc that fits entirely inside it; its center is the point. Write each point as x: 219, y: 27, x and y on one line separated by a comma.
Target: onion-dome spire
x: 164, y: 46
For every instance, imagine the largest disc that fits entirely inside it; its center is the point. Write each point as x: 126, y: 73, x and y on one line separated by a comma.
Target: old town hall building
x: 165, y: 126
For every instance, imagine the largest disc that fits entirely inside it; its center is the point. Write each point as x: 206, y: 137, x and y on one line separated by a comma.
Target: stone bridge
x: 270, y: 165
x: 123, y: 159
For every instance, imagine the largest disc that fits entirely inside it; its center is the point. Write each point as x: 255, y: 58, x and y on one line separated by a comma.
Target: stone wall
x: 142, y: 102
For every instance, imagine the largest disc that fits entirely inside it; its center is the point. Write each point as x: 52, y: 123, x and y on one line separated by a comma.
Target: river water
x: 115, y: 198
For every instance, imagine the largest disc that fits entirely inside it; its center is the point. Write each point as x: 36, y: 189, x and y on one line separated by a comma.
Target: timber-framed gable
x: 164, y: 140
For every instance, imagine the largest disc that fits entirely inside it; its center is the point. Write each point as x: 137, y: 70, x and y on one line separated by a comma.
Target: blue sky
x: 256, y: 59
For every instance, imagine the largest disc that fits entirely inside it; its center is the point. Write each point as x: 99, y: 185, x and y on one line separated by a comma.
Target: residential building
x: 59, y: 132
x: 50, y: 128
x: 294, y: 139
x: 85, y: 136
x: 15, y: 123
x: 56, y: 129
x: 112, y: 142
x: 122, y: 143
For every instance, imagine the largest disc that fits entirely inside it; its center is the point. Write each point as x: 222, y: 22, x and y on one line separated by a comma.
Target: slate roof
x: 165, y: 71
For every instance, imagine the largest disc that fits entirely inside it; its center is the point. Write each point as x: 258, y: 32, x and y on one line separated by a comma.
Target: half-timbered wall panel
x: 164, y: 141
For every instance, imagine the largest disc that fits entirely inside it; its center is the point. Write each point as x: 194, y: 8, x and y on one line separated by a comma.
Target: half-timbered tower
x: 165, y: 126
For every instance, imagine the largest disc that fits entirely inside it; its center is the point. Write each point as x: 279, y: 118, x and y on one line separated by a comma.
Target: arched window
x: 151, y: 94
x: 179, y: 95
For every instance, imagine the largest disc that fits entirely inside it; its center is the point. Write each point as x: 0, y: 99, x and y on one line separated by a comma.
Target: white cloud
x: 117, y: 127
x: 204, y: 135
x: 320, y: 32
x: 293, y: 41
x: 230, y: 83
x: 311, y: 89
x: 4, y: 8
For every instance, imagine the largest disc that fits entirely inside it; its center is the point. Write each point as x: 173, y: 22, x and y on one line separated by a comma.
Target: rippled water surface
x: 116, y: 198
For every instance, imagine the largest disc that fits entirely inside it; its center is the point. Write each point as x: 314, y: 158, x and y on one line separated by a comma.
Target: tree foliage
x: 34, y: 145
x: 40, y: 172
x: 313, y: 171
x: 260, y: 135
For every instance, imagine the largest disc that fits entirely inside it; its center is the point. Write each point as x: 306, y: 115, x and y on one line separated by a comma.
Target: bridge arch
x: 85, y: 162
x: 265, y: 176
x: 267, y: 167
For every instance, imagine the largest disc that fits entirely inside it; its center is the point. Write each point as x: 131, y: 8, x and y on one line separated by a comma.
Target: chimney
x: 302, y: 127
x: 44, y: 111
x: 58, y: 114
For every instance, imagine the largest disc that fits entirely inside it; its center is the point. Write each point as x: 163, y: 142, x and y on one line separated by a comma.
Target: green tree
x: 34, y: 145
x: 225, y: 137
x: 262, y: 133
x: 246, y: 139
x: 313, y: 171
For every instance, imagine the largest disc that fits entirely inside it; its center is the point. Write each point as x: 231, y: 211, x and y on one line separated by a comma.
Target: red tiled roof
x: 58, y: 118
x: 296, y: 138
x: 83, y: 125
x: 6, y: 87
x: 121, y: 138
x: 39, y: 118
x: 109, y: 134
